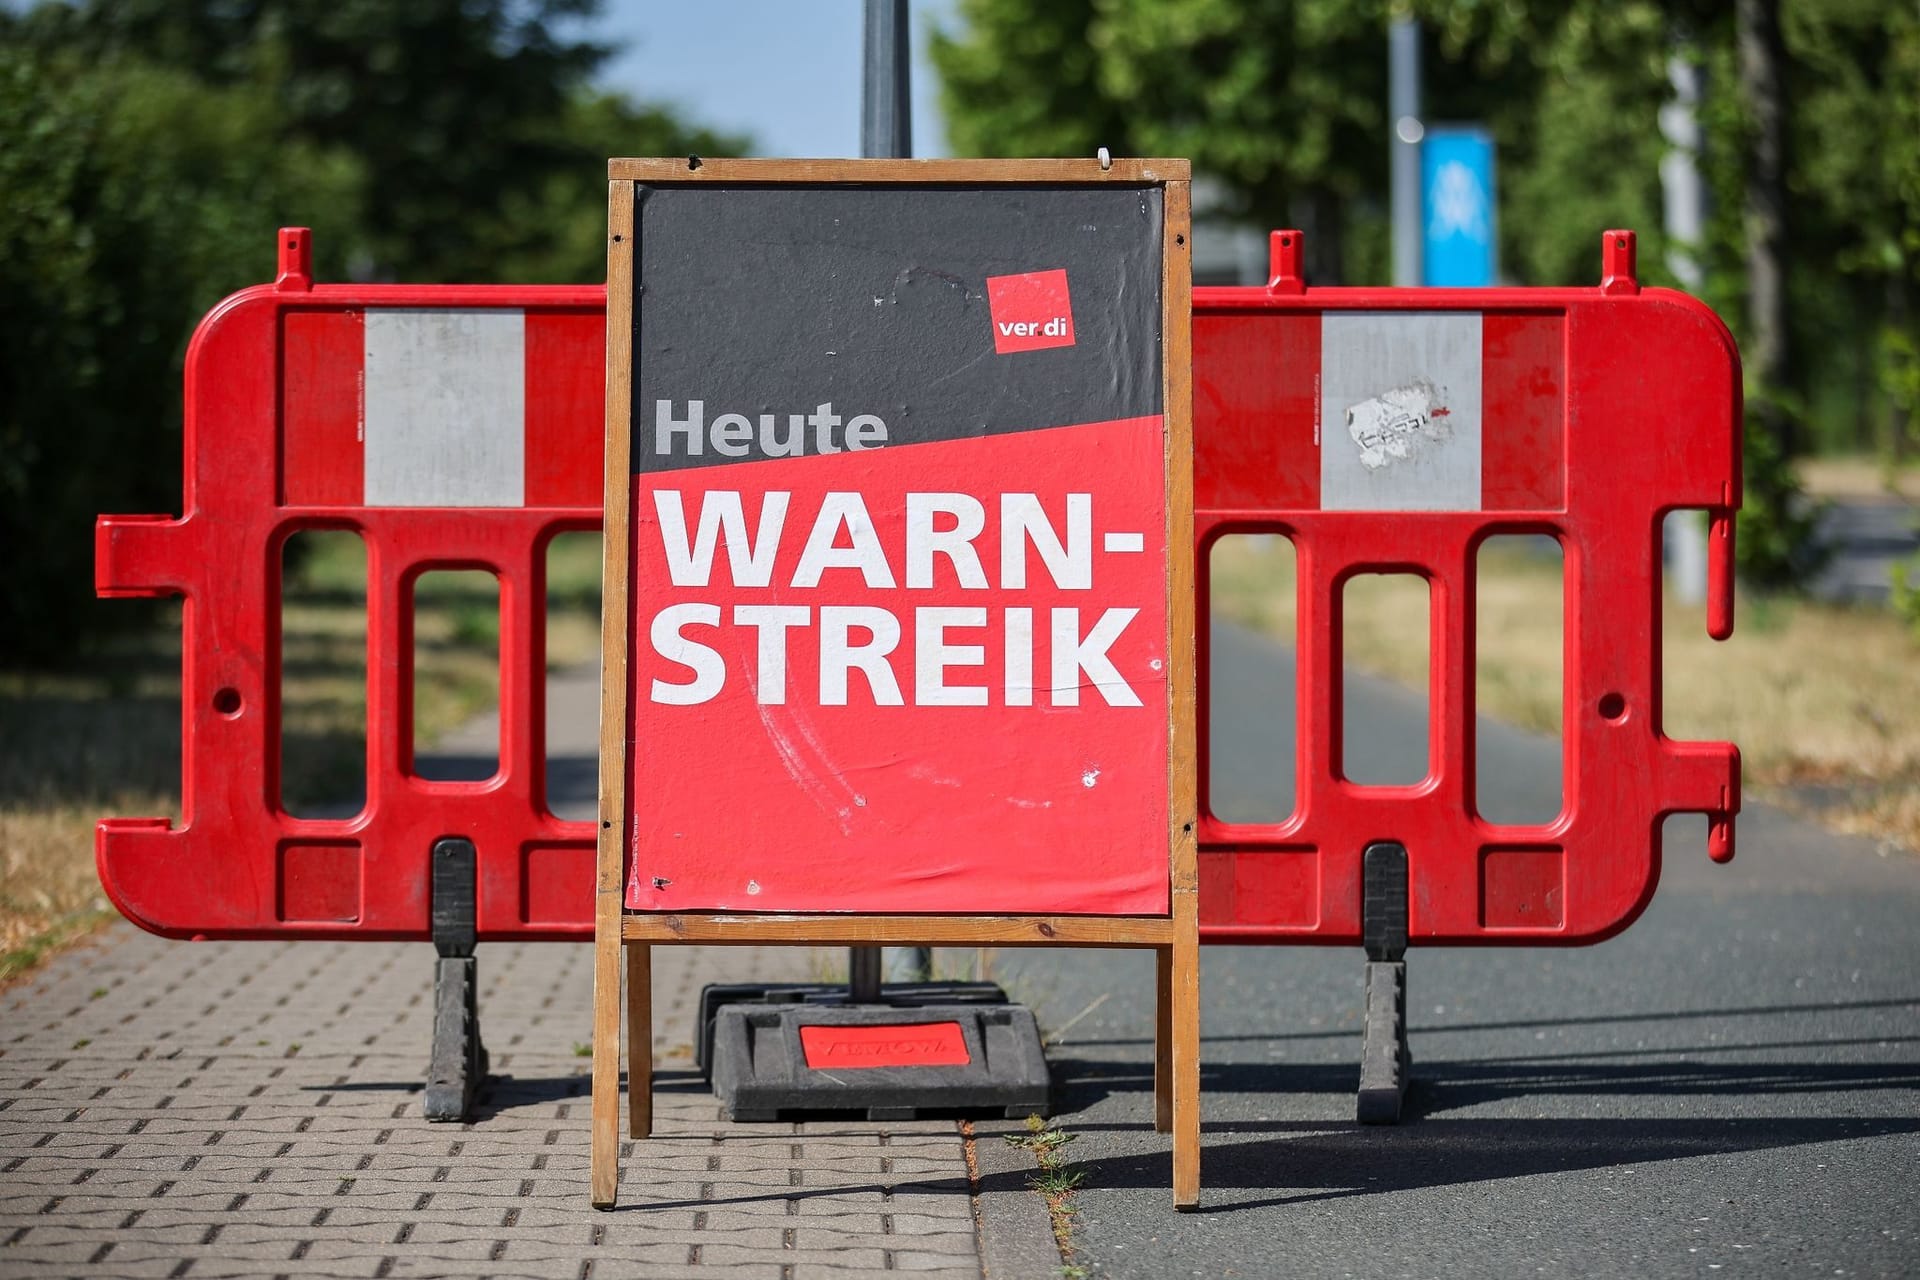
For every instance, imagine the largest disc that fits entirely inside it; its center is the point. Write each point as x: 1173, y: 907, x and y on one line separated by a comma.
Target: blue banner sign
x: 1456, y: 182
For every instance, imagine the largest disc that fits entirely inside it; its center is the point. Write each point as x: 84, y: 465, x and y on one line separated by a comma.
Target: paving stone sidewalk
x: 253, y: 1109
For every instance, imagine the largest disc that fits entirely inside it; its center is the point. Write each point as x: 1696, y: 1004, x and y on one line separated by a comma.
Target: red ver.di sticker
x: 1031, y: 312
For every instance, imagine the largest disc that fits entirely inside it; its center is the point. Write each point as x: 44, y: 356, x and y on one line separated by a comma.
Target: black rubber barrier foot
x: 459, y: 1065
x: 1384, y: 1061
x: 1383, y: 900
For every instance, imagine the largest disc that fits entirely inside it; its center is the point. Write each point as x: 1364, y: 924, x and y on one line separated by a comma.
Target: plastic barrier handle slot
x: 1720, y: 526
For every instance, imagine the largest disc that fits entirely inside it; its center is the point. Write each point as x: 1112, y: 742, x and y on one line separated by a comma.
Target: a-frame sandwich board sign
x: 898, y: 608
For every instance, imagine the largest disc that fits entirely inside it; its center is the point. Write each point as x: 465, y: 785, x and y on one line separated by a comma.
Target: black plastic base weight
x: 899, y: 995
x: 772, y: 1062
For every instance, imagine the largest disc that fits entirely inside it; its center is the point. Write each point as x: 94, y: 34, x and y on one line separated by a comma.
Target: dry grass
x: 1859, y: 478
x: 72, y: 750
x: 1824, y: 701
x: 80, y: 747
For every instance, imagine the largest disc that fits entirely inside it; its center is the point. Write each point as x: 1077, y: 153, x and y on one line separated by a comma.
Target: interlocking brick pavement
x: 253, y: 1109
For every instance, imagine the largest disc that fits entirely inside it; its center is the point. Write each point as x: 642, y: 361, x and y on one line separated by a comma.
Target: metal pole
x: 863, y: 975
x: 1686, y: 216
x: 1403, y: 149
x: 886, y: 109
x: 1686, y: 195
x: 886, y: 130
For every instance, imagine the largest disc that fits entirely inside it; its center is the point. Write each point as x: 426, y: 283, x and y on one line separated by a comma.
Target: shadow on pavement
x: 1444, y: 1086
x: 1331, y: 1163
x: 1441, y: 1085
x: 504, y: 1091
x: 1529, y: 1024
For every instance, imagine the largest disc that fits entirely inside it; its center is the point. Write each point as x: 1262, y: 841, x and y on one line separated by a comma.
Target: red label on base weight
x: 913, y: 1044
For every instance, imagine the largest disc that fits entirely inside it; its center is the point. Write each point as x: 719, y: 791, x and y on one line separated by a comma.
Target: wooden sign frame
x: 1174, y: 937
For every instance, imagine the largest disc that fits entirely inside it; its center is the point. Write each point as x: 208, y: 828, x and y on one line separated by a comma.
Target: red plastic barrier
x: 307, y: 408
x: 1603, y: 409
x: 1390, y: 430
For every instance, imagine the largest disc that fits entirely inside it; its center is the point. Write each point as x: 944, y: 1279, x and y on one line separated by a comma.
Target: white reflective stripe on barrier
x: 444, y: 407
x: 1400, y: 411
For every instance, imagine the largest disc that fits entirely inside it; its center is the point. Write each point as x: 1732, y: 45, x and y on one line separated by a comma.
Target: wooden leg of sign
x: 639, y: 1039
x: 1186, y: 1049
x: 1163, y: 1039
x: 604, y: 1164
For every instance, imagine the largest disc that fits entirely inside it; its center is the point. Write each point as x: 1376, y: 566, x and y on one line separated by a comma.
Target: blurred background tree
x: 145, y: 145
x: 148, y: 148
x: 1811, y: 158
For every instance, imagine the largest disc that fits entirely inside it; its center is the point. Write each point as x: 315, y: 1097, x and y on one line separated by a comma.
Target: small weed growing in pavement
x: 82, y: 1042
x: 1055, y: 1182
x: 97, y: 993
x: 582, y: 1050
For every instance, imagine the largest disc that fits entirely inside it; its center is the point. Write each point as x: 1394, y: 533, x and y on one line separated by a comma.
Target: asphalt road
x: 1863, y: 539
x: 1731, y: 1087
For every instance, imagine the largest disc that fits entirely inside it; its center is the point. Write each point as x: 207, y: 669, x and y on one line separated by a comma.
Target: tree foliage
x: 1282, y: 102
x: 149, y: 148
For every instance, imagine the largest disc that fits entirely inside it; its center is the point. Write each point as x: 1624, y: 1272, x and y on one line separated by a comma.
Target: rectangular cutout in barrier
x: 1688, y: 655
x: 456, y: 674
x: 1519, y: 677
x: 1252, y: 716
x: 323, y: 436
x: 323, y: 652
x: 1523, y: 888
x: 572, y: 619
x: 1386, y: 622
x: 319, y: 882
x: 554, y: 881
x: 1273, y: 888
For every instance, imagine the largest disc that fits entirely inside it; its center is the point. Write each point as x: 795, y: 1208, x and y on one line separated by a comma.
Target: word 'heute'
x: 938, y: 525
x: 732, y: 434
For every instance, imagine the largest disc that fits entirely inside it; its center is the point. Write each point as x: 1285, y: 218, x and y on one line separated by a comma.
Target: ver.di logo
x: 1031, y: 312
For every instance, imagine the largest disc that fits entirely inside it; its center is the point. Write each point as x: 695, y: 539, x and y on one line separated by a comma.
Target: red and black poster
x: 898, y: 625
